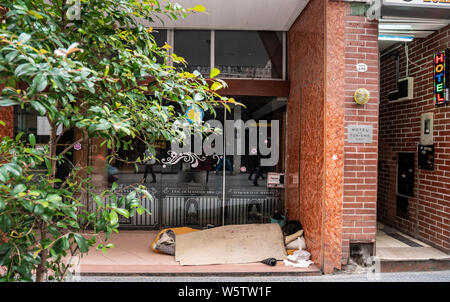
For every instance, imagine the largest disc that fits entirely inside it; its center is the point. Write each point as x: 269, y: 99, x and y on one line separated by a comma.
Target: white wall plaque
x: 275, y: 180
x: 360, y: 134
x: 361, y: 67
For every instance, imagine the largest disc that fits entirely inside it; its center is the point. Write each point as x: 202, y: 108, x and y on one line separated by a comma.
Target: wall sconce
x: 361, y: 96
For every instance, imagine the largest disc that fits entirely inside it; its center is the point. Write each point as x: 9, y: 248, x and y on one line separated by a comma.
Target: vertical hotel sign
x: 440, y: 79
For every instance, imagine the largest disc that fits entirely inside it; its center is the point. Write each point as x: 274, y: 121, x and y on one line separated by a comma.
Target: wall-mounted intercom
x: 426, y: 128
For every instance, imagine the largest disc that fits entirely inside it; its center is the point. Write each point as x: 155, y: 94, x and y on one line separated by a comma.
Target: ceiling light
x: 395, y: 38
x: 394, y: 26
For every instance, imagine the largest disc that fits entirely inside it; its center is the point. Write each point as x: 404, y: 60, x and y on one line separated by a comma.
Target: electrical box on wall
x: 405, y: 90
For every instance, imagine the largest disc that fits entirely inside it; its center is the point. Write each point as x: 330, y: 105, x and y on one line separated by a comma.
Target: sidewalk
x: 439, y: 276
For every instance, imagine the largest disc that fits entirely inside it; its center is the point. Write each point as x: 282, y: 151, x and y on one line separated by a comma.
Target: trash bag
x: 300, y: 255
x: 277, y: 216
x: 166, y: 243
x: 300, y: 258
x: 270, y: 261
x: 298, y: 244
x: 301, y: 263
x: 291, y: 227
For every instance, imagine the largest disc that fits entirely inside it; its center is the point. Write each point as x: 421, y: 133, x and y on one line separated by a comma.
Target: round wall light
x: 361, y: 96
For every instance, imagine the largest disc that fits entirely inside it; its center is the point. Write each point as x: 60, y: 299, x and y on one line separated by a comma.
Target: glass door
x: 254, y: 189
x: 232, y: 176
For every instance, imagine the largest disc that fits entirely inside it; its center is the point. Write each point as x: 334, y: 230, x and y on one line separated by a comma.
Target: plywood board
x: 231, y: 244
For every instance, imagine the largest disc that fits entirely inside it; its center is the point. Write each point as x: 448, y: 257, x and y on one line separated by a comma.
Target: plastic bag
x: 299, y: 258
x: 298, y: 244
x: 298, y: 264
x: 300, y: 255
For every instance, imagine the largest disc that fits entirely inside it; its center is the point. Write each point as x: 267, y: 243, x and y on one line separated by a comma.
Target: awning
x: 408, y: 18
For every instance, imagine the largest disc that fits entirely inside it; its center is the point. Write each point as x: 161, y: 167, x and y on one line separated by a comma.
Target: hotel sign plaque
x: 360, y: 134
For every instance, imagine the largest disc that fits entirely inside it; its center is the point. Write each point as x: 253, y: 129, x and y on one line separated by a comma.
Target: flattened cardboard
x: 231, y: 244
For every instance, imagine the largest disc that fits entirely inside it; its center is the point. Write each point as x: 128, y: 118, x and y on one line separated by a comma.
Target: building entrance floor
x: 400, y: 252
x: 132, y: 255
x: 395, y: 245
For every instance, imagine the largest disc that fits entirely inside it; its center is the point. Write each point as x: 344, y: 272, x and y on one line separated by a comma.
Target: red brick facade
x: 429, y: 208
x: 331, y: 183
x: 336, y: 195
x: 360, y: 160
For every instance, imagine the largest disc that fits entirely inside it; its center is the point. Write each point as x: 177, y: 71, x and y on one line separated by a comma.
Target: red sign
x: 440, y: 79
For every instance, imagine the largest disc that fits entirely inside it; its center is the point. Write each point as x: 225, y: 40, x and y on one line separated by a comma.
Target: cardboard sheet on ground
x: 231, y: 244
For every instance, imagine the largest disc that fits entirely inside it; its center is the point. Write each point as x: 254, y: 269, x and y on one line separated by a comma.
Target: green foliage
x: 30, y: 202
x: 100, y: 76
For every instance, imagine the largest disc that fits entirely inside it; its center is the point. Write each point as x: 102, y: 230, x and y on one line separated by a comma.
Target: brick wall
x: 429, y: 209
x: 360, y: 160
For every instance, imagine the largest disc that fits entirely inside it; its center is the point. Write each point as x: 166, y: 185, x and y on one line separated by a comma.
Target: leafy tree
x: 100, y: 74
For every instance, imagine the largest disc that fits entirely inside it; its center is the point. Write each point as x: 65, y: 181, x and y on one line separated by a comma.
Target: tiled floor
x: 132, y: 254
x: 389, y: 248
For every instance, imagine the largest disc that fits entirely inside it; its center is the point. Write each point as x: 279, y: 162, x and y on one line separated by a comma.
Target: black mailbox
x: 425, y: 157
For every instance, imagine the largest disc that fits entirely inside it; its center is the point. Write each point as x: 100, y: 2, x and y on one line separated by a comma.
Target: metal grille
x: 138, y: 220
x: 184, y: 210
x: 191, y: 210
x: 146, y: 219
x: 250, y: 210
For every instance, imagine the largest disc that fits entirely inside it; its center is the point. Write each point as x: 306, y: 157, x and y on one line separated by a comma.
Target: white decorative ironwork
x: 187, y: 157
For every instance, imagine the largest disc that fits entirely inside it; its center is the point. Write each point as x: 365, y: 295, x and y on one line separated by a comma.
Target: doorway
x: 222, y: 179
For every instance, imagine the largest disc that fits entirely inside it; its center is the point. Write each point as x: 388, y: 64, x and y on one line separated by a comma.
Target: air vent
x: 405, y: 90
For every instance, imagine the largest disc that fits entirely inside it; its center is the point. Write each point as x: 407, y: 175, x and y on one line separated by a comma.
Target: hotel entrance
x: 213, y: 180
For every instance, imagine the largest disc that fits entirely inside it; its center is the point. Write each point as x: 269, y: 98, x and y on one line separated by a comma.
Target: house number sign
x: 361, y: 67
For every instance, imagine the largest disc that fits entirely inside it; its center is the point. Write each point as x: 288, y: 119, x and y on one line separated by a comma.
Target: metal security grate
x: 174, y: 210
x: 146, y: 219
x: 138, y: 220
x: 191, y: 210
x: 250, y: 210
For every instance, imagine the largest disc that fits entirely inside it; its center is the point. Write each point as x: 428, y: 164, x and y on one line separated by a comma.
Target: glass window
x: 249, y: 54
x: 194, y: 47
x: 160, y: 39
x: 200, y: 187
x: 29, y: 121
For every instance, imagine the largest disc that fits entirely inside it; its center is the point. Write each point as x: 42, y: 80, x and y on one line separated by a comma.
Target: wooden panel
x: 305, y: 128
x: 247, y: 87
x: 256, y: 88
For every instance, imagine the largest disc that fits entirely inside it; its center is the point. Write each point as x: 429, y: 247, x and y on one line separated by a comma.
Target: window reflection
x: 194, y: 47
x: 249, y: 54
x: 160, y: 36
